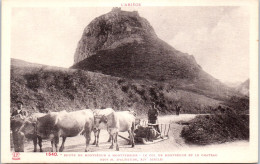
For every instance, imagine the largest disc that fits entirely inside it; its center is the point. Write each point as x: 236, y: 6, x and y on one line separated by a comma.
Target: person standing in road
x: 153, y: 113
x: 20, y: 110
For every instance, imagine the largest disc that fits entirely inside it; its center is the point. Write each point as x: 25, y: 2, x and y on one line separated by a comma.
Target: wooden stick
x: 164, y: 130
x: 168, y: 129
x: 124, y: 137
x: 161, y: 130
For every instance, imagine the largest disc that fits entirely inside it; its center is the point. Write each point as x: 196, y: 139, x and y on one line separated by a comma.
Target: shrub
x: 218, y: 128
x: 33, y: 81
x: 153, y: 94
x: 120, y: 81
x: 125, y: 88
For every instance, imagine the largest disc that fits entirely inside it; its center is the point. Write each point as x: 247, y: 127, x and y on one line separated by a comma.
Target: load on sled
x: 148, y: 133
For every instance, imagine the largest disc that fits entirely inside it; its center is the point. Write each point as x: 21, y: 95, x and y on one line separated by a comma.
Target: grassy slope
x: 60, y: 88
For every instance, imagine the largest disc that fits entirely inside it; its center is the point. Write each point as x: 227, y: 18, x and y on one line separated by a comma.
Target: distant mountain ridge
x: 232, y: 84
x: 244, y: 88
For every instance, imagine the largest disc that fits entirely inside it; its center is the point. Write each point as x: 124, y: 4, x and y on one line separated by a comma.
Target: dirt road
x: 174, y: 143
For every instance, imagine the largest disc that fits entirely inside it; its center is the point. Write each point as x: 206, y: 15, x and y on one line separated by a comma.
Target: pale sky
x: 218, y: 37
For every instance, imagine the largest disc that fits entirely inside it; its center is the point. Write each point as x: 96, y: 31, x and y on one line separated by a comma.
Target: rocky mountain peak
x: 112, y: 30
x: 123, y: 44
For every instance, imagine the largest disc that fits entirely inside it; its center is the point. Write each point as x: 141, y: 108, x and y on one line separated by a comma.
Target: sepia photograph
x: 131, y: 81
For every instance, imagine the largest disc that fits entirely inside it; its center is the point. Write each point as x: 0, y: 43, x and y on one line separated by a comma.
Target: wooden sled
x: 147, y: 142
x: 163, y: 135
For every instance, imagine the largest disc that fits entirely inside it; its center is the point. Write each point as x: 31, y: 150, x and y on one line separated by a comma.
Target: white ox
x: 98, y: 113
x: 65, y: 124
x: 123, y: 121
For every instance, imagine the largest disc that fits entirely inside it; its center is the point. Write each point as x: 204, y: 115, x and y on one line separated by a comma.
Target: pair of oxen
x: 64, y: 124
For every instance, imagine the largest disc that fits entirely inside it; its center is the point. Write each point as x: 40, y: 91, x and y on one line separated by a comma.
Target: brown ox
x: 65, y: 124
x: 22, y: 128
x: 123, y: 121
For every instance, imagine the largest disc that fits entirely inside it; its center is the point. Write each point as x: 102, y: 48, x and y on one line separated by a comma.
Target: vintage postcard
x: 129, y: 81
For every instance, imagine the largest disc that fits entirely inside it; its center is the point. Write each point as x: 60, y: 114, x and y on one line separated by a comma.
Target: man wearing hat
x: 153, y: 114
x: 19, y: 110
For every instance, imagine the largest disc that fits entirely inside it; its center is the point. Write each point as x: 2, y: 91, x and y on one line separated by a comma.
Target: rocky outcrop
x: 112, y: 30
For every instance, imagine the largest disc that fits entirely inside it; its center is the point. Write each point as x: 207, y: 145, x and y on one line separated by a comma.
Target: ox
x: 65, y: 124
x: 120, y: 122
x: 98, y: 113
x: 25, y: 128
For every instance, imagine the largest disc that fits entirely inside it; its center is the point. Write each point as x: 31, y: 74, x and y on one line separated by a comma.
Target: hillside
x: 55, y: 89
